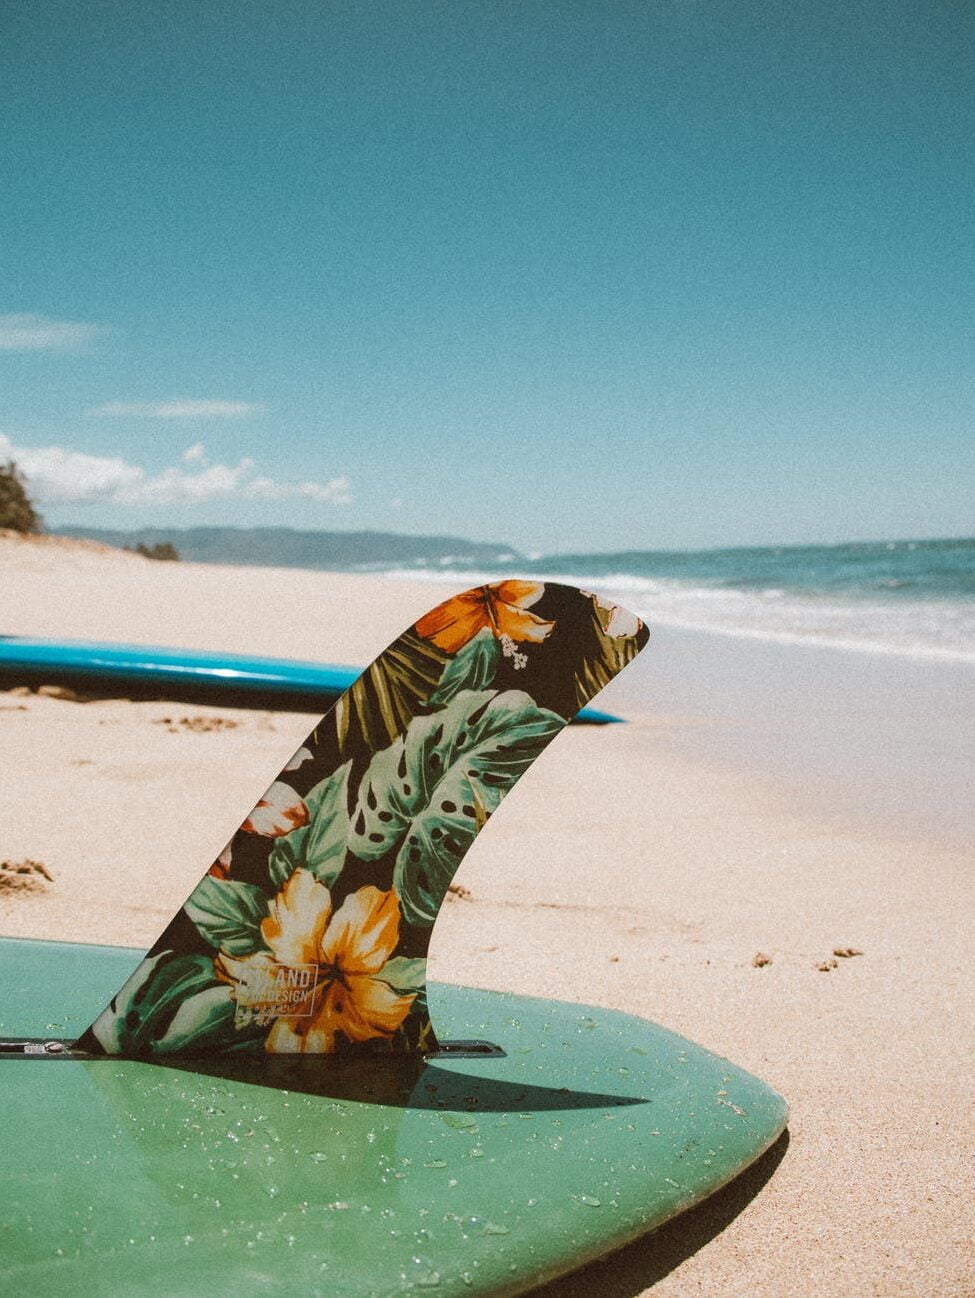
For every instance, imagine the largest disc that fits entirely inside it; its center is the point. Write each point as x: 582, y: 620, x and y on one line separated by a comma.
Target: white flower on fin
x: 279, y: 812
x: 221, y: 866
x: 622, y: 623
x: 518, y: 659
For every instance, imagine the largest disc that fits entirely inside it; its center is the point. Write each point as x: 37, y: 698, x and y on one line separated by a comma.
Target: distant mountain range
x: 285, y: 547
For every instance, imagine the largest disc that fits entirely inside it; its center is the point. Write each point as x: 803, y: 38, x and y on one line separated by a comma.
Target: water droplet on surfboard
x: 459, y: 1121
x: 422, y: 1273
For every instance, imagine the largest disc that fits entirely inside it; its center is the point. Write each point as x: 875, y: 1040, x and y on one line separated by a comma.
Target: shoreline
x: 856, y: 736
x: 641, y: 867
x: 864, y: 739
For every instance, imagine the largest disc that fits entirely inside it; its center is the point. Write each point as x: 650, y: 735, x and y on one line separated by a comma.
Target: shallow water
x: 868, y: 737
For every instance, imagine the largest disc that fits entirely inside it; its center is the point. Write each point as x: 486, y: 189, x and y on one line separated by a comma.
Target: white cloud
x: 335, y: 492
x: 181, y: 408
x: 59, y: 475
x: 25, y: 332
x: 56, y: 474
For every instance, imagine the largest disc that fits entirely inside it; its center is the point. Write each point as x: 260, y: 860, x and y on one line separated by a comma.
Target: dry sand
x: 622, y: 873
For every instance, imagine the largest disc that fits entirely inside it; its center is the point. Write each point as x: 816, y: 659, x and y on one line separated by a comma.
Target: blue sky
x: 567, y: 275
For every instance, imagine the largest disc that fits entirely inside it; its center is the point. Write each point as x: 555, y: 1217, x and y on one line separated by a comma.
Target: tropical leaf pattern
x: 617, y: 644
x: 309, y: 932
x: 227, y: 913
x: 373, y: 711
x: 170, y: 1003
x: 472, y: 668
x: 422, y: 796
x: 320, y: 845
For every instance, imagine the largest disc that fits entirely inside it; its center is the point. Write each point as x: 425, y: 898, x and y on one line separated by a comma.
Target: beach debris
x: 24, y: 876
x: 198, y: 725
x: 457, y: 892
x: 21, y: 692
x: 825, y: 966
x: 729, y: 1104
x: 760, y: 960
x: 846, y: 952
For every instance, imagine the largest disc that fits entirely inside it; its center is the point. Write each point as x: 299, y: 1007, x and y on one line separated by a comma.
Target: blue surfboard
x: 153, y: 670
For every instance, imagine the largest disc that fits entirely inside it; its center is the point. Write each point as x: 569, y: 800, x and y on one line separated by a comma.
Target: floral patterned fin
x: 309, y: 933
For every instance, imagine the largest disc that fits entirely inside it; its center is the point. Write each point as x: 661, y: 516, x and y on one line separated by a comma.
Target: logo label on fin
x: 281, y: 991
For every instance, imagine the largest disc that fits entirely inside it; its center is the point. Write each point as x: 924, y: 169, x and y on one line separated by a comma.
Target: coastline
x: 640, y: 867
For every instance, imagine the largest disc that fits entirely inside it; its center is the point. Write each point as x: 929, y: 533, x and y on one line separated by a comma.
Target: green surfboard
x: 456, y: 1176
x: 273, y: 1100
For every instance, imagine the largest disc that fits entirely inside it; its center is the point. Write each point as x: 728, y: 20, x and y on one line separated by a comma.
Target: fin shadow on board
x: 309, y: 933
x: 407, y: 1082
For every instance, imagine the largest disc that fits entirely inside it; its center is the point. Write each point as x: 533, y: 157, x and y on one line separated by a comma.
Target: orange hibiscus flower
x: 500, y: 607
x: 322, y: 973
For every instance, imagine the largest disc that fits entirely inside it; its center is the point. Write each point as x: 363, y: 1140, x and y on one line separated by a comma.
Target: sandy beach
x: 720, y: 830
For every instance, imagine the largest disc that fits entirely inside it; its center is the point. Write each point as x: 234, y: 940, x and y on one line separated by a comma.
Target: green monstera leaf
x: 169, y: 1003
x: 320, y: 845
x: 380, y: 703
x: 473, y: 668
x: 204, y: 1020
x: 228, y: 914
x: 407, y: 975
x: 428, y: 794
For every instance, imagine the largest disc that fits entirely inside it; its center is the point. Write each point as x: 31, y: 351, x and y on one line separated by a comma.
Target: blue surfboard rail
x: 149, y: 666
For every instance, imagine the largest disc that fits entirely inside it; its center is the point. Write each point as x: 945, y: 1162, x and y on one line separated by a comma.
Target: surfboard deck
x: 473, y: 1176
x: 152, y: 670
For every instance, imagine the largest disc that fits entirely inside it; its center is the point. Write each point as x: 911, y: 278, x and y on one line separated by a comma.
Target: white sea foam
x: 921, y: 628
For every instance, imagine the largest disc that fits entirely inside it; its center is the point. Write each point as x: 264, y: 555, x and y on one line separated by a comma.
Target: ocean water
x: 914, y: 599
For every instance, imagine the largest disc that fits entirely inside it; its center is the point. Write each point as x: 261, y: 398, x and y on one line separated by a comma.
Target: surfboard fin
x: 309, y: 933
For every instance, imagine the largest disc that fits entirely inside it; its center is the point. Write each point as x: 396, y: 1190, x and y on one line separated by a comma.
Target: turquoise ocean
x: 908, y: 598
